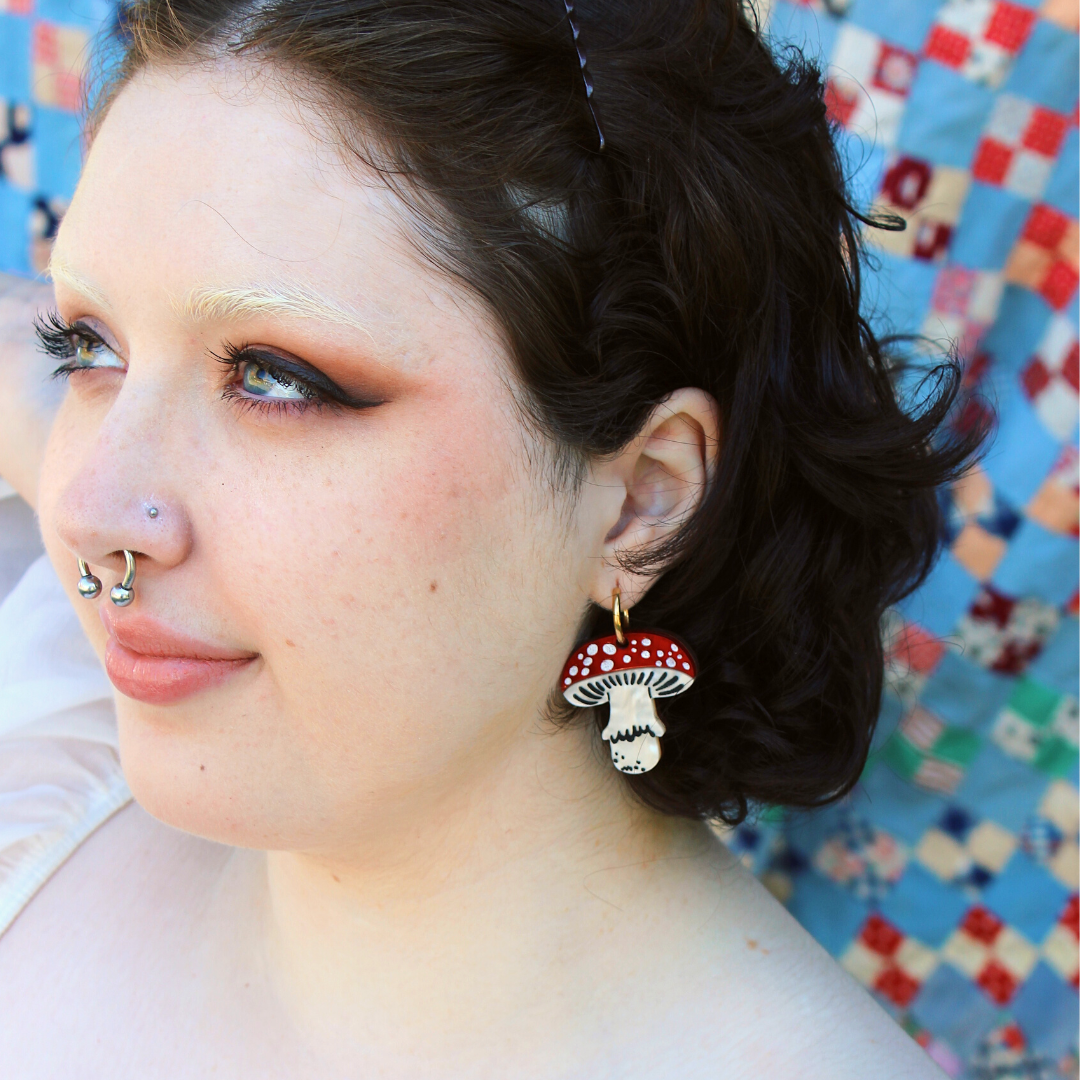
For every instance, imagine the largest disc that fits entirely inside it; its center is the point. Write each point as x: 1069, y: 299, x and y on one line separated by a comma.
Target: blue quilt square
x: 88, y: 14
x: 1045, y: 70
x: 989, y: 225
x: 964, y: 694
x: 15, y: 46
x: 828, y: 912
x: 954, y: 1008
x: 1022, y: 320
x: 864, y: 165
x: 1039, y: 563
x: 900, y: 22
x: 57, y: 136
x: 1023, y: 451
x: 807, y: 830
x: 1045, y: 1009
x: 889, y: 717
x: 923, y: 906
x: 14, y: 240
x: 1003, y: 789
x: 897, y: 291
x: 944, y: 118
x: 945, y: 595
x: 1055, y: 666
x: 1063, y: 189
x: 896, y: 806
x: 800, y: 25
x: 1027, y: 897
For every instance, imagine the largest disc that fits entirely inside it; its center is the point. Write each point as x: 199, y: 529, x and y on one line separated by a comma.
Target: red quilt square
x: 45, y: 46
x: 982, y: 925
x: 895, y: 69
x: 1009, y: 26
x: 840, y: 102
x: 992, y: 161
x: 1035, y: 378
x: 1059, y: 284
x: 1045, y: 226
x: 947, y: 46
x: 881, y: 936
x: 999, y: 984
x: 898, y: 986
x: 1045, y: 131
x: 1071, y: 367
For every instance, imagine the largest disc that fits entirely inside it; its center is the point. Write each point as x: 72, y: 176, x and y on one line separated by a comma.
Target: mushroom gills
x: 633, y: 729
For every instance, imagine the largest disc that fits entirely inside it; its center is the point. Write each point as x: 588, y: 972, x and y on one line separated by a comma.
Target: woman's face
x: 375, y: 593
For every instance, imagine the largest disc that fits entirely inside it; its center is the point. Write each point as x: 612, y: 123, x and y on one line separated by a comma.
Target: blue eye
x: 264, y: 382
x: 95, y: 354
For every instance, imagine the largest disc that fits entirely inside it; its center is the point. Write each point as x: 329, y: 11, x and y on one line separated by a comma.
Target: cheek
x: 383, y: 579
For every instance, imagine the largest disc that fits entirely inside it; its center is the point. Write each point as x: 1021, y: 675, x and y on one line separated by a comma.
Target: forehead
x: 206, y: 174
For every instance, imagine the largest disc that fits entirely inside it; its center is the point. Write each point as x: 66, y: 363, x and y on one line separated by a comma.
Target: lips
x: 149, y: 661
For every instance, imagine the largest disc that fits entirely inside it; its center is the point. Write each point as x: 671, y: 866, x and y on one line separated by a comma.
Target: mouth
x: 150, y: 662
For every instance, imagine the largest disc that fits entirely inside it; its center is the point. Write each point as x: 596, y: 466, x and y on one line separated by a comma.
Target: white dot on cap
x: 580, y: 657
x: 566, y: 682
x: 645, y: 654
x: 606, y: 665
x: 687, y: 666
x: 646, y: 641
x: 609, y: 649
x: 658, y: 664
x: 591, y: 650
x: 670, y: 662
x: 573, y: 670
x: 626, y: 659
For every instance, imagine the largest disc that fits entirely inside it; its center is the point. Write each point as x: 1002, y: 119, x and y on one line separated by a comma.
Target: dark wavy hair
x: 711, y: 243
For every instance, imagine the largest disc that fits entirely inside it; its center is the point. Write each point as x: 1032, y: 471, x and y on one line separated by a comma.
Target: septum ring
x: 121, y: 595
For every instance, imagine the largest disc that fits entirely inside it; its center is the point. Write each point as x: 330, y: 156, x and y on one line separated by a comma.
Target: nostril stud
x: 89, y: 586
x: 152, y: 512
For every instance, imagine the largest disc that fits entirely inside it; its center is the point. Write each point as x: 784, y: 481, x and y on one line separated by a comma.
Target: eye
x: 93, y: 353
x: 76, y: 343
x: 260, y: 380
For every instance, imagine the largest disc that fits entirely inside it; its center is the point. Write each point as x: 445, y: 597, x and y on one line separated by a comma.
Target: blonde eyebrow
x: 215, y: 303
x: 59, y: 272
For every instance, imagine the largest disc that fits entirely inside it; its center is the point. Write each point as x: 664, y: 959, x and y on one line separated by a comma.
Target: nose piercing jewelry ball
x: 89, y: 586
x: 122, y: 595
x: 152, y: 512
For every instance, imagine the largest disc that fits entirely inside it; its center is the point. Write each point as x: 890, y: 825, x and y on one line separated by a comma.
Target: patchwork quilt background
x: 947, y: 882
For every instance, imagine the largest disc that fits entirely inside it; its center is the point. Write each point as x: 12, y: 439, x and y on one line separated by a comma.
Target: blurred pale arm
x: 30, y: 398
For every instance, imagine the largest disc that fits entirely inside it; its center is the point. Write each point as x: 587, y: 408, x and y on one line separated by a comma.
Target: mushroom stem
x: 633, y: 729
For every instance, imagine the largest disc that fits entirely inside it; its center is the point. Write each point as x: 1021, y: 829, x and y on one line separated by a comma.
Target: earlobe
x: 665, y: 472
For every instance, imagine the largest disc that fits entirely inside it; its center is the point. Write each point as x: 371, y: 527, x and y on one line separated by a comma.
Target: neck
x: 476, y: 917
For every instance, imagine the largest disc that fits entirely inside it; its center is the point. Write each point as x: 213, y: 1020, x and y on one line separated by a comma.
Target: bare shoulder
x: 96, y: 949
x: 770, y: 1002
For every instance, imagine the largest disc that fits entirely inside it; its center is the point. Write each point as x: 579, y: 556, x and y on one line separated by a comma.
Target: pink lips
x: 148, y: 661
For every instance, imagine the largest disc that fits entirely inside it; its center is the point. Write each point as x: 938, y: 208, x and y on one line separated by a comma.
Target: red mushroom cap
x: 660, y: 662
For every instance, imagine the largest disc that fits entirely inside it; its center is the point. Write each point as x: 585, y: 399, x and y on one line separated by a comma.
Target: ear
x: 661, y: 476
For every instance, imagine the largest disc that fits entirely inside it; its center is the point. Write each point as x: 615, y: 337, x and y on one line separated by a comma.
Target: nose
x: 123, y: 497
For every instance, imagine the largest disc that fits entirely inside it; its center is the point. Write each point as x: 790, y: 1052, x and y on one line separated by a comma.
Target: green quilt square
x: 1056, y: 756
x: 1034, y: 702
x: 956, y: 746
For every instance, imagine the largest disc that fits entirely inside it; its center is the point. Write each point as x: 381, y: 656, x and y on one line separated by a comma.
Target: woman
x: 408, y: 346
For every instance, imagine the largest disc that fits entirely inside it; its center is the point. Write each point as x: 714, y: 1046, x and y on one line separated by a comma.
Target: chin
x: 194, y: 777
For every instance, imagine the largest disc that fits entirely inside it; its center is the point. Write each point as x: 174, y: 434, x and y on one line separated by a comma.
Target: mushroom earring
x: 628, y: 672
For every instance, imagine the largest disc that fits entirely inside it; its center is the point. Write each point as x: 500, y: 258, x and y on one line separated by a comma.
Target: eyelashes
x: 259, y: 379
